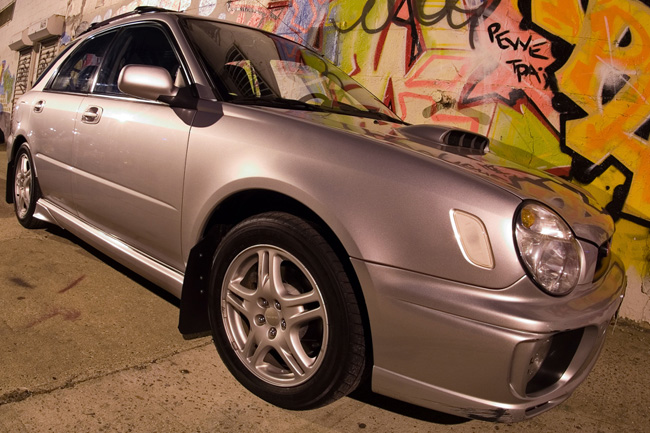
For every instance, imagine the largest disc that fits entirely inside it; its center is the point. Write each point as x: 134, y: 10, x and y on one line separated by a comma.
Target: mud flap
x: 194, y: 320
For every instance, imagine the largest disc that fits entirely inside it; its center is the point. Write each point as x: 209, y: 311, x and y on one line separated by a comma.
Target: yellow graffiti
x: 608, y: 76
x: 601, y: 60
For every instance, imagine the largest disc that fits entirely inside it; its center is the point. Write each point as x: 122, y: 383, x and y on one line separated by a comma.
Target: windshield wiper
x: 344, y: 108
x: 276, y: 101
x: 294, y: 104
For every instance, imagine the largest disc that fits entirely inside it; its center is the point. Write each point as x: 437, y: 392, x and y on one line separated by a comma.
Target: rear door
x: 53, y: 119
x: 130, y: 153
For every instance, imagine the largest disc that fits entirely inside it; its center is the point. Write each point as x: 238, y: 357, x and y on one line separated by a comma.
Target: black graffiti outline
x: 516, y: 96
x: 474, y: 16
x: 582, y: 169
x: 416, y: 48
x: 499, y: 36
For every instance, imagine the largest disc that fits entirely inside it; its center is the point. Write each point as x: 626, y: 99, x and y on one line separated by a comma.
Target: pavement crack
x: 15, y: 396
x: 21, y: 394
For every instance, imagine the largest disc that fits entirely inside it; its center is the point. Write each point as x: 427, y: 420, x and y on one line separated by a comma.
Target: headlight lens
x: 549, y: 250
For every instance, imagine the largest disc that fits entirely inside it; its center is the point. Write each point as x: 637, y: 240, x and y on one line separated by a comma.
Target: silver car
x: 322, y: 241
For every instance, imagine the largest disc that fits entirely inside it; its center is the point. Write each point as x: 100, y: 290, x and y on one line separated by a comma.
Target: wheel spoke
x: 236, y: 288
x: 26, y: 192
x: 239, y: 304
x: 301, y: 299
x: 275, y: 277
x: 294, y: 356
x: 304, y: 316
x: 20, y: 200
x: 270, y: 273
x: 263, y: 276
x: 253, y: 351
x: 24, y: 165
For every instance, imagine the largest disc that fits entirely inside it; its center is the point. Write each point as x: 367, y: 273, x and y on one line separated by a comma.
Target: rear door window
x: 78, y: 72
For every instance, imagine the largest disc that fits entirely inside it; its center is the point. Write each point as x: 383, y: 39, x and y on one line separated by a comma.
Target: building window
x: 21, y: 85
x: 46, y: 53
x: 7, y: 14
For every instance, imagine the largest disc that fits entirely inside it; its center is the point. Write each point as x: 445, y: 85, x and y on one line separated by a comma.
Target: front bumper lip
x: 464, y: 350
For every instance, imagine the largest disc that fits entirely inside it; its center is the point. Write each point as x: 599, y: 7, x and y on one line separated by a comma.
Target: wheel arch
x: 193, y: 320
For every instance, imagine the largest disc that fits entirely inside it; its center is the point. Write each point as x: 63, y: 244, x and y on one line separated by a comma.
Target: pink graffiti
x: 294, y: 20
x: 511, y: 65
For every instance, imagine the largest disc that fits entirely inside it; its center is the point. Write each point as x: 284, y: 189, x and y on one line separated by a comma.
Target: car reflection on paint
x: 321, y: 240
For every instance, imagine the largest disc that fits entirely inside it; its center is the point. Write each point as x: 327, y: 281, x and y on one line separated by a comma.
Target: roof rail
x: 137, y: 11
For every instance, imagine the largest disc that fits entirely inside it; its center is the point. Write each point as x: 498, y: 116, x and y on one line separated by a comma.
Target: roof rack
x: 137, y: 11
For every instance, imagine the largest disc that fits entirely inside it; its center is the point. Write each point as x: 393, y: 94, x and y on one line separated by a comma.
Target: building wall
x: 560, y: 85
x: 26, y: 12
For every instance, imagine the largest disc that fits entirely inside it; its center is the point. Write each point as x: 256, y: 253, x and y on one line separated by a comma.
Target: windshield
x: 247, y: 66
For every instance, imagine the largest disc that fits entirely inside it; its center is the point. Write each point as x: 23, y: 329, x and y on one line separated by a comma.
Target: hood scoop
x: 447, y: 138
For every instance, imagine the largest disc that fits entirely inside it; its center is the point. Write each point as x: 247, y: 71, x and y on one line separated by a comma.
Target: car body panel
x: 50, y: 125
x: 154, y: 270
x: 435, y: 365
x: 316, y: 176
x: 129, y: 181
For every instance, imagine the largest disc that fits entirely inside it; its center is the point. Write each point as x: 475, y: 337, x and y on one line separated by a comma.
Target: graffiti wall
x: 6, y: 87
x: 6, y: 93
x: 559, y: 85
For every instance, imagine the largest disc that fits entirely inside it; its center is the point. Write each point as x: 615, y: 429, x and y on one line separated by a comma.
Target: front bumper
x: 471, y: 351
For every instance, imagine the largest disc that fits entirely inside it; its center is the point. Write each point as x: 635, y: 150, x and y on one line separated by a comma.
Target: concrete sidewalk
x: 87, y: 346
x: 191, y: 391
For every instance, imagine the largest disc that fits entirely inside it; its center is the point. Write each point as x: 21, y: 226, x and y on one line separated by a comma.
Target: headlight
x: 550, y: 252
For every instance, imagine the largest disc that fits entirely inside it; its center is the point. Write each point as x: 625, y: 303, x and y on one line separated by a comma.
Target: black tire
x: 305, y: 334
x: 26, y: 189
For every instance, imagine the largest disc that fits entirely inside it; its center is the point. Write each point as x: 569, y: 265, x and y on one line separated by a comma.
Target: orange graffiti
x: 608, y: 77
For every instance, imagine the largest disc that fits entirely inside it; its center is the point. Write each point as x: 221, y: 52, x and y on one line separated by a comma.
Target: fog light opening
x: 538, y: 358
x: 550, y: 360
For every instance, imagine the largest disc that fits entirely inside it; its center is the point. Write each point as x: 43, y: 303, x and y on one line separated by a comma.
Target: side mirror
x: 148, y: 82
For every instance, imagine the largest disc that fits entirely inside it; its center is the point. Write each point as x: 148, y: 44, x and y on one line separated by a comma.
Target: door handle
x: 38, y: 107
x: 92, y: 114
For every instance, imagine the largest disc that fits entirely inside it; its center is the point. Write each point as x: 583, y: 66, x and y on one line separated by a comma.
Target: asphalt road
x: 87, y: 346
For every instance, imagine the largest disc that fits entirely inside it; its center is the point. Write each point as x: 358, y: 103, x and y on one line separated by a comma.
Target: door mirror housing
x: 148, y: 82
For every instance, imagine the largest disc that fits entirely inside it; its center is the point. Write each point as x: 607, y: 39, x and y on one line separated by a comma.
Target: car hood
x: 588, y: 219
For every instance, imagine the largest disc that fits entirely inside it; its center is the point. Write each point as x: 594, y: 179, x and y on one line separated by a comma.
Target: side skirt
x: 157, y: 272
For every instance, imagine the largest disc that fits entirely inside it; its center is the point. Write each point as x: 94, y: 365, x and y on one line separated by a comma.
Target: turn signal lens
x: 473, y: 239
x: 527, y: 218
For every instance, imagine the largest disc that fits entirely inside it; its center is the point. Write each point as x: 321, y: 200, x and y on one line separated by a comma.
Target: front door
x: 130, y: 153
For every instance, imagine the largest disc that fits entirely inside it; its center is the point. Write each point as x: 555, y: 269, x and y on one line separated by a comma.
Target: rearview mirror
x: 148, y: 82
